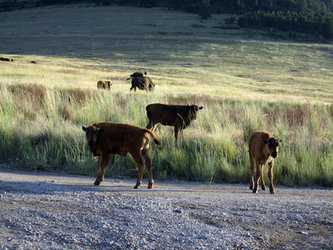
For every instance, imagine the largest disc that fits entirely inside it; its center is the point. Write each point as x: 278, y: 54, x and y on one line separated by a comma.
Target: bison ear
x: 100, y: 130
x: 265, y: 140
x: 84, y: 128
x: 201, y: 107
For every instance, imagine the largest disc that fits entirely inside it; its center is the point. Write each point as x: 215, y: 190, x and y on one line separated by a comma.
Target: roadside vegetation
x: 41, y: 130
x: 244, y: 85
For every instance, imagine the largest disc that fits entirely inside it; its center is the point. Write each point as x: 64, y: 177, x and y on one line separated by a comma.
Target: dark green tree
x: 328, y: 28
x: 204, y: 12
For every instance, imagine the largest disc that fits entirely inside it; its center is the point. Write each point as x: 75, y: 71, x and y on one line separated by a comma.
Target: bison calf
x: 178, y: 116
x: 116, y: 138
x: 142, y: 83
x: 104, y: 85
x: 263, y: 149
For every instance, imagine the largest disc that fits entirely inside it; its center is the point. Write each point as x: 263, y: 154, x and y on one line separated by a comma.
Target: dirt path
x: 57, y: 211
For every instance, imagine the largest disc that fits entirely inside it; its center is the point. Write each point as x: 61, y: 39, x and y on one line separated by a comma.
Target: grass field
x: 246, y: 81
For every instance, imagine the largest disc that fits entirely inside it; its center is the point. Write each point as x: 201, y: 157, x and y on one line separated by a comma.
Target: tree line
x: 305, y: 16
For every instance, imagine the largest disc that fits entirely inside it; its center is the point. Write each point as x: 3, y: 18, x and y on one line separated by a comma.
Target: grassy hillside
x: 245, y: 80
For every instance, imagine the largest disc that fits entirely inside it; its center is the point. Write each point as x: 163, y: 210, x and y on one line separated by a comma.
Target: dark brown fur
x: 6, y: 59
x: 263, y: 149
x: 115, y: 138
x: 104, y: 85
x: 178, y: 116
x: 138, y: 74
x: 142, y: 83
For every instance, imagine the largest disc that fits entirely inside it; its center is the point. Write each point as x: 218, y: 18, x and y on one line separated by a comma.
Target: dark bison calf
x: 178, y: 116
x: 115, y: 138
x: 142, y: 83
x: 263, y: 149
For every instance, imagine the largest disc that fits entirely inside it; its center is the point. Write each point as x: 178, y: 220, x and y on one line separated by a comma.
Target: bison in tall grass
x: 104, y: 85
x: 115, y: 138
x: 263, y: 149
x: 141, y: 82
x: 178, y: 116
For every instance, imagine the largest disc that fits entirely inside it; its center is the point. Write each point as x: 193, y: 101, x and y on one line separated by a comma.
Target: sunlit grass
x: 244, y: 84
x: 43, y: 132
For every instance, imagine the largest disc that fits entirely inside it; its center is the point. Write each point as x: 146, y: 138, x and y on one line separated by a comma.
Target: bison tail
x: 157, y: 141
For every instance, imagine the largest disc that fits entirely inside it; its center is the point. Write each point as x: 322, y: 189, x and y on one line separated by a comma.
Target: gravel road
x: 42, y: 210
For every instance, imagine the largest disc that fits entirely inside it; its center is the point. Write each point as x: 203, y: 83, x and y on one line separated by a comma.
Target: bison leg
x: 262, y: 181
x: 252, y: 172
x: 270, y: 177
x: 141, y: 162
x: 151, y: 125
x: 176, y: 133
x: 145, y: 154
x: 133, y: 87
x: 258, y: 175
x: 101, y: 165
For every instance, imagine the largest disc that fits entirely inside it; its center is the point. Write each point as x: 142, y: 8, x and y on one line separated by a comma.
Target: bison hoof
x: 96, y: 183
x: 272, y: 192
x: 136, y: 187
x: 150, y: 186
x: 255, y: 191
x: 263, y: 188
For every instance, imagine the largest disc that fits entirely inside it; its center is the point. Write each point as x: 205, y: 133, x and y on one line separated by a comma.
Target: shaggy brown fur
x: 116, y: 138
x: 263, y: 149
x: 104, y: 85
x: 138, y: 74
x: 178, y: 116
x: 142, y: 83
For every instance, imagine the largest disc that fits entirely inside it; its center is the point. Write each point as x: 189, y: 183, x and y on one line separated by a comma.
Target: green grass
x: 43, y: 132
x: 245, y: 84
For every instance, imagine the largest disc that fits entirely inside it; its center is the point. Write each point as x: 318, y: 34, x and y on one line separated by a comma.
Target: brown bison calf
x: 116, y: 138
x: 104, y: 85
x: 178, y: 116
x: 263, y: 149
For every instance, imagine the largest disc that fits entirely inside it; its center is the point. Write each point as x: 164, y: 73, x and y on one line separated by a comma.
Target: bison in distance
x: 178, y: 116
x: 104, y: 85
x: 116, y: 138
x: 141, y: 82
x: 263, y: 149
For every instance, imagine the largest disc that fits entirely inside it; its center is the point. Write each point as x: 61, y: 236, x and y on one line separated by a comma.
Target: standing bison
x: 116, y: 138
x: 263, y: 149
x: 104, y: 85
x: 142, y: 83
x: 178, y: 116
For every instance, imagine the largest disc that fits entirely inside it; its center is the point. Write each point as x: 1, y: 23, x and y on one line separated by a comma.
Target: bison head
x: 91, y: 135
x: 193, y: 111
x: 273, y: 146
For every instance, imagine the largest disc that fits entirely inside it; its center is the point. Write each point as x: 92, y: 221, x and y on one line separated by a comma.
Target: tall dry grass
x: 41, y: 129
